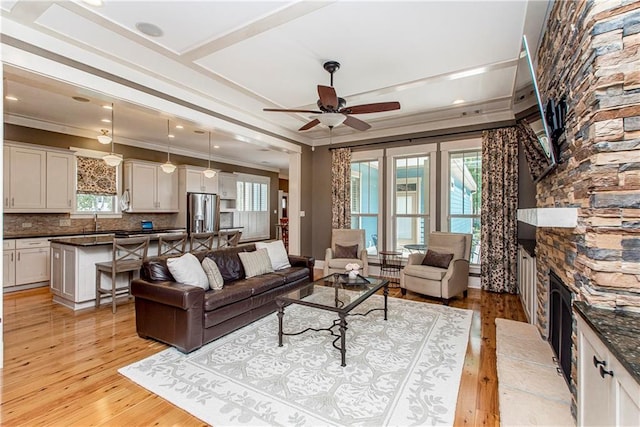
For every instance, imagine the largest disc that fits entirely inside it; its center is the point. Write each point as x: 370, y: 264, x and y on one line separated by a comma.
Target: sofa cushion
x: 448, y: 243
x: 187, y: 270
x: 341, y: 263
x: 425, y: 272
x: 256, y: 263
x: 264, y: 282
x: 213, y: 274
x: 292, y: 274
x: 437, y: 259
x: 346, y: 251
x: 229, y: 264
x: 155, y: 270
x: 277, y: 254
x: 227, y: 295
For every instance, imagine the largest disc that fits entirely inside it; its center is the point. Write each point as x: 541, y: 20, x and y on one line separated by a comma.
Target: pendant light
x: 112, y: 159
x: 168, y: 167
x: 208, y: 172
x: 104, y: 138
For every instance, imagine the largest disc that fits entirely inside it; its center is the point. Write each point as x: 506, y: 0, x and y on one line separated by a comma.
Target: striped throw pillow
x: 213, y: 274
x: 256, y: 263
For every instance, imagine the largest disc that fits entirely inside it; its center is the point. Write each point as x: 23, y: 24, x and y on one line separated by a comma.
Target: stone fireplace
x: 560, y: 323
x: 590, y: 54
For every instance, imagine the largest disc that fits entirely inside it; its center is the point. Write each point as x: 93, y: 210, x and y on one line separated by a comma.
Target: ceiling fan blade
x: 287, y: 110
x: 311, y: 124
x: 356, y: 123
x: 328, y: 97
x: 371, y: 108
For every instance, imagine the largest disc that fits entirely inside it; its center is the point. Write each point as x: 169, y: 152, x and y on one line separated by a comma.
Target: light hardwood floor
x: 61, y: 367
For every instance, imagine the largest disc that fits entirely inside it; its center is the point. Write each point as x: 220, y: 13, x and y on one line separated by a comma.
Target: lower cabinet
x: 63, y: 271
x: 607, y: 394
x: 25, y: 261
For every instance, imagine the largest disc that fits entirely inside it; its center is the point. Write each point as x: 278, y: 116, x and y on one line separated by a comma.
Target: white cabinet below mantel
x: 607, y: 394
x: 150, y: 189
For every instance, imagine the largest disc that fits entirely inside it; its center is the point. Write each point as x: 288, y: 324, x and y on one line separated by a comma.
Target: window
x: 365, y: 191
x: 252, y: 203
x: 96, y: 184
x: 462, y: 199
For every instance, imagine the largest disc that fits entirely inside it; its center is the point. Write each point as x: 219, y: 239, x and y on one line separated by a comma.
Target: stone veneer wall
x: 590, y: 54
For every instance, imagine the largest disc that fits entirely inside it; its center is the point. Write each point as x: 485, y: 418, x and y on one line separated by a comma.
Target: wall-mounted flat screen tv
x: 544, y: 144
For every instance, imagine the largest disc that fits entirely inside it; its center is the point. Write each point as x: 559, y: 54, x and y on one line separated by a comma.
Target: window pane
x: 370, y: 225
x: 465, y: 180
x: 411, y: 201
x: 410, y: 230
x: 93, y: 203
x: 472, y: 226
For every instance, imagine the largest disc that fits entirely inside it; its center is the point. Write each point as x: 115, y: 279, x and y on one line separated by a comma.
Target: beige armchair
x: 343, y: 237
x: 443, y: 283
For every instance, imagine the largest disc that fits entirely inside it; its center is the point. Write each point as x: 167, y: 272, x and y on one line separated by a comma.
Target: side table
x: 390, y: 266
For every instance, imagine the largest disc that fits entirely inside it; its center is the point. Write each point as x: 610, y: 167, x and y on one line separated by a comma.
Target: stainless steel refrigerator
x: 202, y: 213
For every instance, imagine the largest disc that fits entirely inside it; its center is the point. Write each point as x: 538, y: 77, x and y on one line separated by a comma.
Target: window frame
x: 76, y: 214
x: 369, y: 156
x: 446, y: 149
x: 429, y: 149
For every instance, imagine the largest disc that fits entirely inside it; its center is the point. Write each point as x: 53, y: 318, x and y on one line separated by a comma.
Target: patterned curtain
x: 536, y: 159
x: 499, y: 233
x: 341, y: 188
x: 95, y: 177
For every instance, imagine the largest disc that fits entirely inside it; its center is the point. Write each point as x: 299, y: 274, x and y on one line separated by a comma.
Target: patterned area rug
x: 403, y: 371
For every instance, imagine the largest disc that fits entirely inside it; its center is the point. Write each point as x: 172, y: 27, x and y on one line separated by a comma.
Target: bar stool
x: 228, y: 239
x: 201, y: 242
x: 128, y: 254
x: 172, y: 244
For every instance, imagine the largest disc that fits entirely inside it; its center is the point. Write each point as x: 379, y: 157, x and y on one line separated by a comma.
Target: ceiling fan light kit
x: 333, y: 110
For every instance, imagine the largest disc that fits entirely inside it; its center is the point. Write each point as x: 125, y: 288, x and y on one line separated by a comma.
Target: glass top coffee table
x: 337, y: 293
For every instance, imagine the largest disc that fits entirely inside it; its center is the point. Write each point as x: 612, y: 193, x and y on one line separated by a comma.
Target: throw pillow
x: 436, y: 259
x: 346, y: 251
x: 256, y: 263
x: 187, y: 270
x: 213, y: 274
x: 277, y: 254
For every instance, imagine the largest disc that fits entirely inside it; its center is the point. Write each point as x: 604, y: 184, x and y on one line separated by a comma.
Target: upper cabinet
x: 37, y: 180
x: 192, y: 180
x: 227, y: 185
x: 150, y: 189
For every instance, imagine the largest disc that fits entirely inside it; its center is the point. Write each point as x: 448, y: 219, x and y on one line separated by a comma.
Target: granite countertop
x: 85, y: 241
x: 618, y: 330
x: 56, y: 236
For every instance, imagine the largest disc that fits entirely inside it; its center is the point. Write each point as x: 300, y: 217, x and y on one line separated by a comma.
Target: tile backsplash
x: 16, y: 225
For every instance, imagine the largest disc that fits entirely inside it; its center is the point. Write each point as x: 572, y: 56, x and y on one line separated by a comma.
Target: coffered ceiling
x: 448, y: 63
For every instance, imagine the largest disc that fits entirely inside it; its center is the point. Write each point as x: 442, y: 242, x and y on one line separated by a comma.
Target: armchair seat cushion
x: 341, y: 263
x: 425, y: 272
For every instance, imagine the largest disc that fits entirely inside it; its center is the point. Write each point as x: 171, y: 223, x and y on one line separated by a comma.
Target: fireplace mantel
x: 549, y: 217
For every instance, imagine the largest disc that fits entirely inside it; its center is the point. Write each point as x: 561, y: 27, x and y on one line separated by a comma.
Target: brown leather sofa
x: 187, y: 317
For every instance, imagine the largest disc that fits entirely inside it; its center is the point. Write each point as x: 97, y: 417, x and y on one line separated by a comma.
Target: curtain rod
x: 509, y: 123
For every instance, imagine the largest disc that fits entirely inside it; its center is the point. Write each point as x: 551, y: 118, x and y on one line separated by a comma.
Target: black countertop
x: 42, y: 234
x: 618, y: 330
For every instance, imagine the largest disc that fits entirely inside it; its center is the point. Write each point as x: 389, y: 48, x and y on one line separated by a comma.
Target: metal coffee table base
x: 341, y: 323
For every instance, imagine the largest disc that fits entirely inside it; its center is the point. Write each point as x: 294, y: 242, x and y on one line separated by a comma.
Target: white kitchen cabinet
x: 192, y: 180
x: 25, y: 179
x: 9, y: 263
x: 227, y: 185
x: 527, y: 283
x: 60, y: 181
x: 607, y: 393
x: 38, y: 179
x: 63, y: 271
x: 150, y: 189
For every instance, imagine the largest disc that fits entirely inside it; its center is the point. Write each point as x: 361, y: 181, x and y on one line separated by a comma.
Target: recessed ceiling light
x: 198, y: 131
x: 149, y: 29
x: 107, y: 107
x: 105, y: 121
x: 458, y: 101
x: 10, y: 98
x: 216, y: 146
x: 80, y: 98
x: 179, y: 127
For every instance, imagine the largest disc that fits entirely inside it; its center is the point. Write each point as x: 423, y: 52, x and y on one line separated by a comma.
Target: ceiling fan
x: 333, y: 110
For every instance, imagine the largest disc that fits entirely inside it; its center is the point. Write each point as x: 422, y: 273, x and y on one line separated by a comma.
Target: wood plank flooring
x: 61, y: 367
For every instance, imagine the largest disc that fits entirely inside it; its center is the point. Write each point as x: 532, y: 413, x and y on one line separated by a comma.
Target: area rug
x: 400, y: 372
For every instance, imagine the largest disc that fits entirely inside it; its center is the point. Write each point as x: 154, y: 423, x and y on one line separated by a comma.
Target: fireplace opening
x: 560, y: 323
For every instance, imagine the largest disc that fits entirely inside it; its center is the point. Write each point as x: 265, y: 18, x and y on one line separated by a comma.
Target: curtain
x: 95, y: 177
x: 341, y: 188
x: 536, y: 158
x: 499, y: 232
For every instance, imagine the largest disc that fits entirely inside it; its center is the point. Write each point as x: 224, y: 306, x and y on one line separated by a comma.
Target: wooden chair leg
x: 445, y: 301
x: 98, y: 276
x: 113, y: 292
x: 465, y: 293
x: 403, y: 291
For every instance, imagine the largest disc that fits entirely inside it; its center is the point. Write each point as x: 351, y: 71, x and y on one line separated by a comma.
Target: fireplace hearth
x: 560, y: 323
